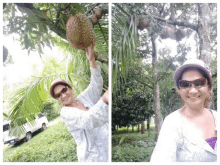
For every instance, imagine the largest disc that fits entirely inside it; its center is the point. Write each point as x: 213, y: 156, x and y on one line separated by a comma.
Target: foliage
x: 134, y: 148
x: 215, y: 92
x: 55, y: 144
x: 131, y: 110
x: 28, y: 99
x: 51, y: 109
x: 124, y: 43
x: 34, y: 23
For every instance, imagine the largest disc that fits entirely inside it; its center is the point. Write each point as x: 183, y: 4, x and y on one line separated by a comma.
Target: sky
x: 23, y: 63
x: 172, y: 44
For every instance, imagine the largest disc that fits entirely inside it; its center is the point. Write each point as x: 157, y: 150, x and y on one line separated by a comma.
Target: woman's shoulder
x: 175, y: 115
x: 67, y: 111
x: 173, y: 120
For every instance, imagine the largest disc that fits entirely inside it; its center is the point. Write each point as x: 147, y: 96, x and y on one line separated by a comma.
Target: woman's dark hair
x: 203, y: 73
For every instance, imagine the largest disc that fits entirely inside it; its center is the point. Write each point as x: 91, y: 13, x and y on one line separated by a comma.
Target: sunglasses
x: 197, y: 83
x: 62, y: 91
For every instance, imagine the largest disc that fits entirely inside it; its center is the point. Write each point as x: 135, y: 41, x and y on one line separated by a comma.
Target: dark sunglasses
x: 197, y: 83
x: 62, y: 91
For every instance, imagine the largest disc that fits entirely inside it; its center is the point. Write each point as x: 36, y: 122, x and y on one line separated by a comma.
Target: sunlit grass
x: 55, y: 144
x: 128, y: 146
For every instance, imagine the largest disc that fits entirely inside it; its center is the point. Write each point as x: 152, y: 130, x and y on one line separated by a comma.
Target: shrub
x: 134, y: 147
x: 55, y: 144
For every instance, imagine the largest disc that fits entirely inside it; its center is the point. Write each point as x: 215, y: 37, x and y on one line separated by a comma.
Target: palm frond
x: 28, y: 100
x: 124, y: 50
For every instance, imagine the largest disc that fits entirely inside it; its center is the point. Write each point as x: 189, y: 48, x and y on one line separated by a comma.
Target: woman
x: 86, y: 116
x: 189, y: 134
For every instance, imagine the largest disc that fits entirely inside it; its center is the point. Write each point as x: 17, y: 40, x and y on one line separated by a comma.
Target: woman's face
x: 65, y: 98
x: 194, y: 96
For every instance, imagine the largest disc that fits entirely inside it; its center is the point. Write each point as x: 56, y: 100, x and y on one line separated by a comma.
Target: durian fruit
x: 180, y: 34
x: 143, y: 22
x: 168, y: 32
x: 79, y: 31
x: 98, y: 12
x: 94, y: 19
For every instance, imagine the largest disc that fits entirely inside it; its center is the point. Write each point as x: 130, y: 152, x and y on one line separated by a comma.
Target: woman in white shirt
x: 86, y: 116
x: 189, y: 134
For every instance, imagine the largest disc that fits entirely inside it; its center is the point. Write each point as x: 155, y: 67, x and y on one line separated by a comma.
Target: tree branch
x: 185, y: 24
x: 55, y: 28
x: 102, y: 33
x: 92, y: 8
x: 149, y: 86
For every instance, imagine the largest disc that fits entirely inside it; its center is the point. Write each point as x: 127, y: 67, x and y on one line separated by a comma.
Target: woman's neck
x: 74, y: 103
x: 77, y: 105
x: 191, y: 112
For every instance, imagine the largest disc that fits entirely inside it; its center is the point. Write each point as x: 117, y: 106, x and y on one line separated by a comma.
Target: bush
x: 132, y: 153
x: 132, y: 147
x: 51, y: 109
x: 53, y: 145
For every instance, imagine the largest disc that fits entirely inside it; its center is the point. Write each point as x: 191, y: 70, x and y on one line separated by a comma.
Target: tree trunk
x: 204, y: 33
x: 148, y: 123
x: 142, y: 127
x: 138, y: 127
x: 204, y: 40
x: 156, y: 92
x: 132, y: 128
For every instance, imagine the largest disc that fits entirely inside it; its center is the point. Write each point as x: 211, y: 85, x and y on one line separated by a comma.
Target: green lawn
x: 55, y: 144
x: 132, y: 146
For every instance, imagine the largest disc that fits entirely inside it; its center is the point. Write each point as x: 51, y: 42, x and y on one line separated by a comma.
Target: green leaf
x: 121, y: 140
x: 26, y: 41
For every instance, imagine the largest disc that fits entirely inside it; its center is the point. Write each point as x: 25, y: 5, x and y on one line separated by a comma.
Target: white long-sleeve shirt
x: 180, y: 141
x: 89, y: 128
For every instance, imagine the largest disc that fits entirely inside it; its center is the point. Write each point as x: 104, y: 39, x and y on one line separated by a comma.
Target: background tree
x: 131, y: 110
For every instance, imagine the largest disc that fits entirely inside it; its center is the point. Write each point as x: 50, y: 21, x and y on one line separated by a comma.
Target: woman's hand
x: 105, y: 97
x: 90, y: 53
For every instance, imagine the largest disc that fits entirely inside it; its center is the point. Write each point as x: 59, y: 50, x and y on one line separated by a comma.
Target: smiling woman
x: 195, y: 91
x: 189, y: 134
x: 86, y: 116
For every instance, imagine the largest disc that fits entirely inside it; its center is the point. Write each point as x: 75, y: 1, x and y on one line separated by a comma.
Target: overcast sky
x: 23, y: 63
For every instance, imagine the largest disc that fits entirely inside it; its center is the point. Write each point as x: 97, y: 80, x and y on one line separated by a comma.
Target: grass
x: 55, y: 144
x: 132, y: 146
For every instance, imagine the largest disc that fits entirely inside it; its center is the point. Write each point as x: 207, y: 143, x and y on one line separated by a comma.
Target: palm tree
x: 43, y: 24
